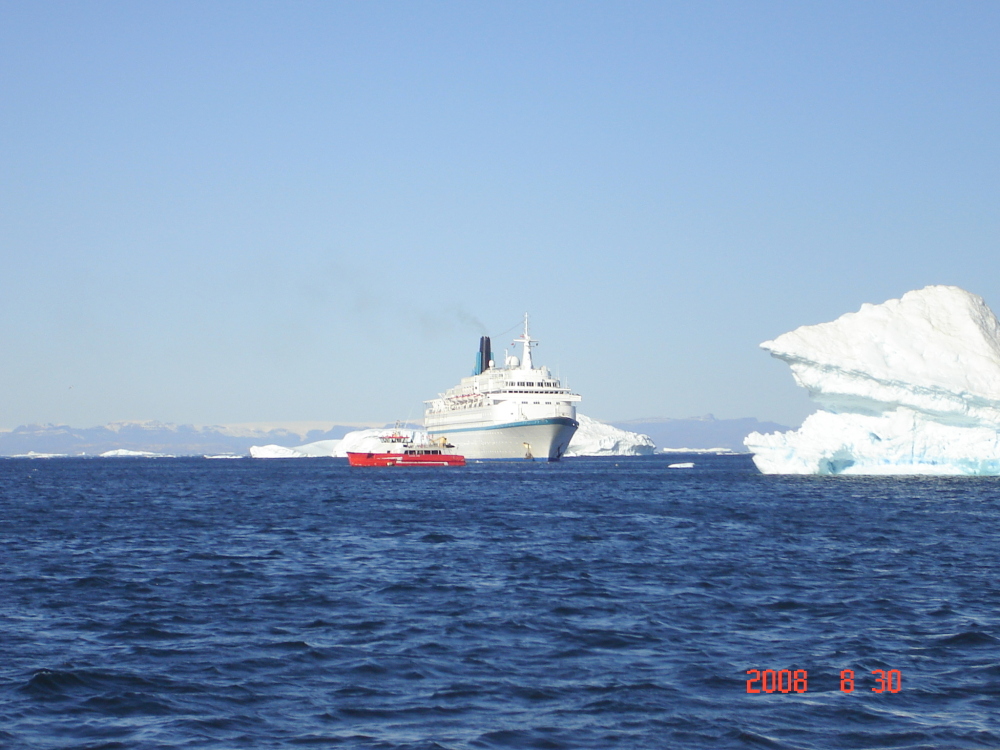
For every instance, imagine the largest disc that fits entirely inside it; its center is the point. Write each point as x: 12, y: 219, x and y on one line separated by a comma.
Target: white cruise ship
x: 515, y: 411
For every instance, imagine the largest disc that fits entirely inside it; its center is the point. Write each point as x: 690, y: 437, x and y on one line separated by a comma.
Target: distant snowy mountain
x: 636, y: 437
x: 151, y: 437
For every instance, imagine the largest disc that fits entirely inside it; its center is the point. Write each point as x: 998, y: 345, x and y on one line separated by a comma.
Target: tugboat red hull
x: 405, y: 459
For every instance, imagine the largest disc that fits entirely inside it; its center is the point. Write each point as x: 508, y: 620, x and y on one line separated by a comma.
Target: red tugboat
x: 402, y: 451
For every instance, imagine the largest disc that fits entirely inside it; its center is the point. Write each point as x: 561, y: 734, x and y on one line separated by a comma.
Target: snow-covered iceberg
x: 911, y: 386
x: 275, y: 451
x: 359, y: 441
x: 595, y: 438
x: 125, y: 453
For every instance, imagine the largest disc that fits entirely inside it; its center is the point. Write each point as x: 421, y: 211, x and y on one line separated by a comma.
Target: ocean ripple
x: 185, y: 603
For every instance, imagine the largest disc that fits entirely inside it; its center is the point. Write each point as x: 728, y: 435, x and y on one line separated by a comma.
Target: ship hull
x: 539, y: 439
x: 399, y: 459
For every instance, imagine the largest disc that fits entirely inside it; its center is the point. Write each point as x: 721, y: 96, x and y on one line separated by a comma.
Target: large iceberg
x: 593, y: 438
x: 911, y: 386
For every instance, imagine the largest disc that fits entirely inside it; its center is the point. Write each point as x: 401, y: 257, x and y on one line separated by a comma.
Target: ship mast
x: 528, y: 342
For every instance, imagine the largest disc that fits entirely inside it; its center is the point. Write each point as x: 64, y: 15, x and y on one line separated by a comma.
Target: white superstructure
x: 514, y: 411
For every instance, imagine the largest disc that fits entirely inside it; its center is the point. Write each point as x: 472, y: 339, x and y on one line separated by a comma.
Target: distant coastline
x: 696, y: 434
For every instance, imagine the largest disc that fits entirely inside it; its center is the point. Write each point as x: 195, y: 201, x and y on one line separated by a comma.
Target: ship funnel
x: 484, y: 355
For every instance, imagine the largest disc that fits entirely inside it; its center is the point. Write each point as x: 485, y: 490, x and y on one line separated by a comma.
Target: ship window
x: 548, y: 402
x: 534, y: 402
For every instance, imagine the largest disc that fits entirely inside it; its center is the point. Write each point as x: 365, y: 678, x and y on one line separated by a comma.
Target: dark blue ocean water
x: 189, y: 603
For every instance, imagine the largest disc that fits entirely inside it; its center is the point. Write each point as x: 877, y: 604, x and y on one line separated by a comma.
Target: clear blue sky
x: 217, y: 212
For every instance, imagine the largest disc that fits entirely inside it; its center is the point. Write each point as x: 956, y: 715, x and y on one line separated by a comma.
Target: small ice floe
x: 225, y: 455
x: 685, y: 465
x: 714, y: 451
x: 125, y: 453
x: 274, y: 451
